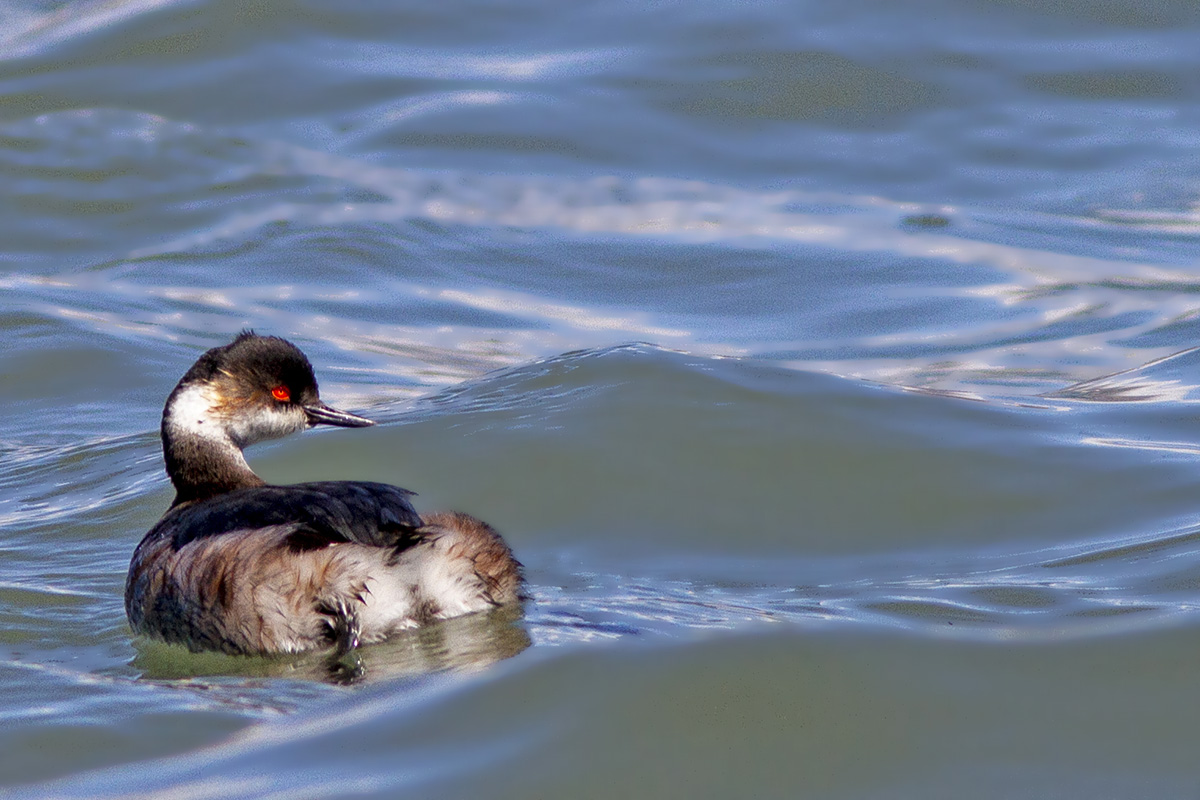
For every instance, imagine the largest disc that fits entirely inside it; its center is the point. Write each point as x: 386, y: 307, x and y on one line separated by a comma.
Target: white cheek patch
x: 191, y: 412
x: 197, y: 411
x: 267, y: 422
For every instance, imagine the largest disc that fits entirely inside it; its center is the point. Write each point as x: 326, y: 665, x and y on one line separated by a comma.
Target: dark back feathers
x: 326, y: 511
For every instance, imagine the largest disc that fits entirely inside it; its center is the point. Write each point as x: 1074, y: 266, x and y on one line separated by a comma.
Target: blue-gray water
x: 773, y: 335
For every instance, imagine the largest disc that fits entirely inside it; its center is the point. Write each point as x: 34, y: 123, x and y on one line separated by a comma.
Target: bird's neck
x: 202, y: 459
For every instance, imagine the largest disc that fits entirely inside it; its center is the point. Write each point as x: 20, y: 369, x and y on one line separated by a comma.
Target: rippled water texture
x: 827, y: 364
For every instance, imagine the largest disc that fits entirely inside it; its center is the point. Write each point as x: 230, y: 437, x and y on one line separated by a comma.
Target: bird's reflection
x: 466, y: 643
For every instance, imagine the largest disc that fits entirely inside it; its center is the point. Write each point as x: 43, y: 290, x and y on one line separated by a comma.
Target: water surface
x: 827, y: 365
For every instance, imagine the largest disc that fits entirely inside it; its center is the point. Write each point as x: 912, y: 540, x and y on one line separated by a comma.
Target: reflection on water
x: 463, y: 644
x: 1164, y: 380
x: 895, y: 292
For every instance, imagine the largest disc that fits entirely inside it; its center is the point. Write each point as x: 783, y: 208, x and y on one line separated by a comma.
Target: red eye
x: 281, y: 393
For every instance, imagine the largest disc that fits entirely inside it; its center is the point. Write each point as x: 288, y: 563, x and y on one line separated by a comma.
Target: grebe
x: 243, y: 567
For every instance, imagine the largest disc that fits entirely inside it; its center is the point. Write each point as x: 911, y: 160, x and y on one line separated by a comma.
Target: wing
x: 325, y: 512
